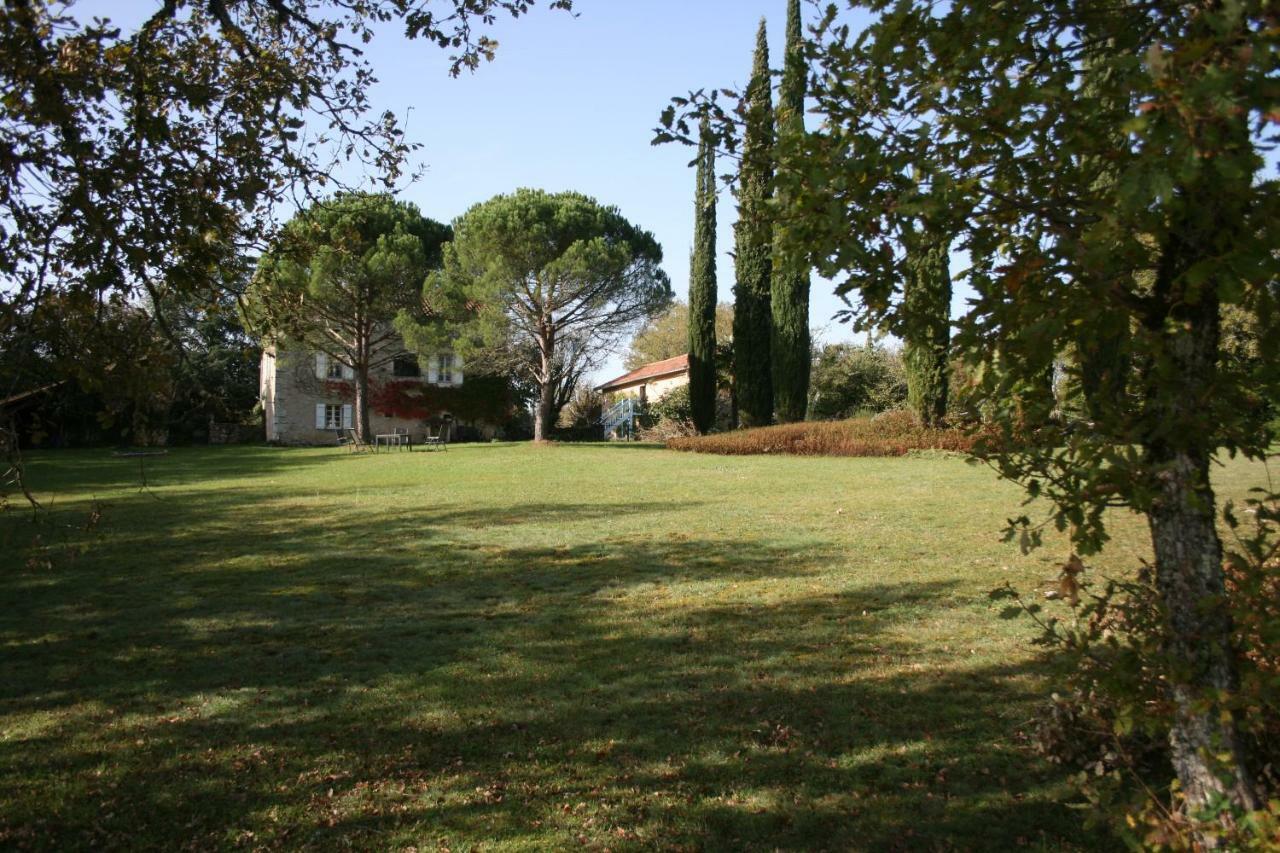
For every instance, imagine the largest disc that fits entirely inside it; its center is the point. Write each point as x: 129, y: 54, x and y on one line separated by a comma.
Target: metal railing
x: 620, y: 419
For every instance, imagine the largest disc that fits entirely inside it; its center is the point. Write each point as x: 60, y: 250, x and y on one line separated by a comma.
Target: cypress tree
x: 927, y: 341
x: 790, y: 347
x: 753, y: 246
x: 702, y: 290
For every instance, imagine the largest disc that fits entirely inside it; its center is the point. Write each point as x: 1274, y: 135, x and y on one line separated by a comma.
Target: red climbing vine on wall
x: 481, y: 398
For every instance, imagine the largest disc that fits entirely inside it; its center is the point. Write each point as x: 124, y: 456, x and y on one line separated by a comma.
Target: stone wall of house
x: 292, y: 388
x: 659, y: 388
x: 654, y: 389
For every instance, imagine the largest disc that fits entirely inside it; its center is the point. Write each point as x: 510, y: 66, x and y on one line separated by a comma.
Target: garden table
x: 393, y: 439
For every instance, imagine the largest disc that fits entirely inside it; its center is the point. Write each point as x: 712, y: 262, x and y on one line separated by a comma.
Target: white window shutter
x: 346, y: 416
x: 457, y: 370
x: 322, y: 366
x: 348, y: 373
x: 319, y: 415
x: 433, y: 369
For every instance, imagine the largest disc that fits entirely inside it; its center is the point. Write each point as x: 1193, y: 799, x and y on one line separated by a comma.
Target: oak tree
x: 1104, y: 163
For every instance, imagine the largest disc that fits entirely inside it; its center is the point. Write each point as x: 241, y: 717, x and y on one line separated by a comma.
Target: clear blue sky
x: 570, y: 104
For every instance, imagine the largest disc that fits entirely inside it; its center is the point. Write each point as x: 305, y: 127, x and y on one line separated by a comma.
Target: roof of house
x: 652, y: 370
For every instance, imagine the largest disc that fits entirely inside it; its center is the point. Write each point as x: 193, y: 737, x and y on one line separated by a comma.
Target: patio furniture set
x: 398, y: 439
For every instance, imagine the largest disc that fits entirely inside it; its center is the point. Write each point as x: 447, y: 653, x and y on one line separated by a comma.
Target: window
x: 333, y: 416
x: 406, y: 365
x: 446, y: 368
x: 335, y: 369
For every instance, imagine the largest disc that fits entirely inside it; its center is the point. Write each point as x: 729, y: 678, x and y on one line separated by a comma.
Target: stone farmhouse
x: 307, y: 396
x: 650, y: 382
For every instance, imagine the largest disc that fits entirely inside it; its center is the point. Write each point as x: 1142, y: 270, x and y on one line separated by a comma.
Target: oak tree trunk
x: 1208, y: 754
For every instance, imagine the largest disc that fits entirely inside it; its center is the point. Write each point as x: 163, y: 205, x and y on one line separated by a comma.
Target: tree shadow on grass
x: 100, y: 470
x: 286, y: 687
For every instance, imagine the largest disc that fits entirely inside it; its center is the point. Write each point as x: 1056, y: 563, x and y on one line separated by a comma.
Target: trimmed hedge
x: 890, y: 434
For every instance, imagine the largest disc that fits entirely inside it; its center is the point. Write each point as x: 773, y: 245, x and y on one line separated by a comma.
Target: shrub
x: 666, y: 430
x: 571, y: 434
x: 672, y: 406
x: 583, y: 409
x: 670, y: 416
x: 849, y: 379
x: 893, y: 433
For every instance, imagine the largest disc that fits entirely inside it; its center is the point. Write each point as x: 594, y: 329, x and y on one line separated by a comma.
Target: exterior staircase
x: 620, y: 420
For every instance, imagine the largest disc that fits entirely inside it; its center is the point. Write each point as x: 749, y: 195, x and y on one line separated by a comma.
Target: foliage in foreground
x: 1104, y: 166
x: 889, y: 434
x: 1109, y: 719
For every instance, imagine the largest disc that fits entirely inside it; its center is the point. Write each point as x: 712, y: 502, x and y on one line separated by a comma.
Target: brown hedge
x: 888, y: 434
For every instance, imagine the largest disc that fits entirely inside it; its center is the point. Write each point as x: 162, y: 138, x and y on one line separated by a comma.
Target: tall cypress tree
x: 753, y: 245
x: 927, y: 341
x: 702, y: 290
x: 790, y: 347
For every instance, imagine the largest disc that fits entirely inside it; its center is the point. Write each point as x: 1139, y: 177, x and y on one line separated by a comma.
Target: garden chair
x: 353, y: 442
x: 439, y: 441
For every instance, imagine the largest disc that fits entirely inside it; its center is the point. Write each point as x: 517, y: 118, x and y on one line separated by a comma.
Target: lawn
x: 513, y: 647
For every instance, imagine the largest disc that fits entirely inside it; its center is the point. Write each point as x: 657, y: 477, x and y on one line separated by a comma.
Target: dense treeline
x: 164, y: 382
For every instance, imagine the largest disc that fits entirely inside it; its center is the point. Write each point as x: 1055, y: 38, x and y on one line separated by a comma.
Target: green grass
x: 517, y: 647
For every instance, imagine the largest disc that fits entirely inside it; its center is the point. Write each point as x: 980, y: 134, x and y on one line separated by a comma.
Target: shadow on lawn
x: 100, y: 469
x: 292, y: 686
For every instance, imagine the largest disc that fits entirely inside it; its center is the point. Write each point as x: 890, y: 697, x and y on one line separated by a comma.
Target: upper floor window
x: 446, y: 368
x: 331, y: 368
x: 406, y: 365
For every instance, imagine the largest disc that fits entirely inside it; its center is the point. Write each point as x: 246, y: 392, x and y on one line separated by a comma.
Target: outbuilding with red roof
x: 650, y: 381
